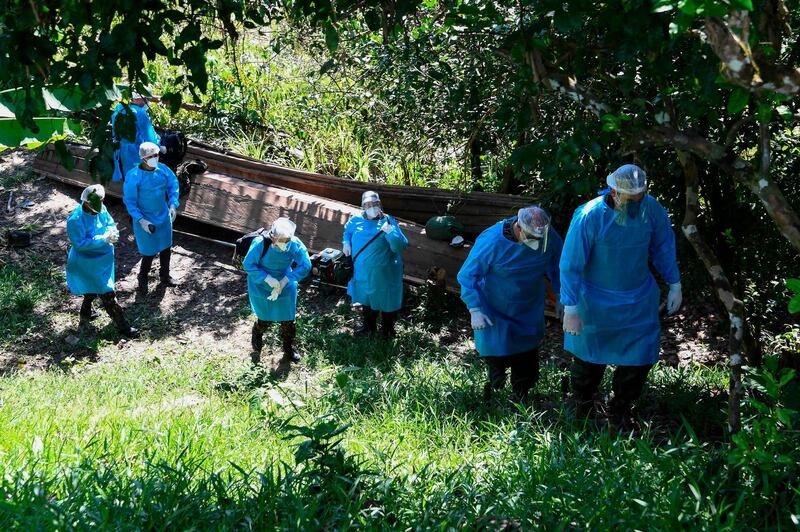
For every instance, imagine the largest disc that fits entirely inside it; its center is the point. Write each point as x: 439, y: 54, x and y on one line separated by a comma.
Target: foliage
x: 26, y: 290
x: 794, y: 286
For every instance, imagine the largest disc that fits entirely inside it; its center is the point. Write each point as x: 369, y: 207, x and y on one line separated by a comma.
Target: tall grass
x: 363, y: 434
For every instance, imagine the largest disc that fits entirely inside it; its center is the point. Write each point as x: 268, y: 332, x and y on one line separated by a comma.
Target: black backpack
x: 243, y: 246
x: 176, y: 144
x: 186, y: 172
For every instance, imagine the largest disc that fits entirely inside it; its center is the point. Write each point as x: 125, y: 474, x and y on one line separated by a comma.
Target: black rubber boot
x: 144, y: 271
x: 164, y: 259
x: 257, y: 340
x: 288, y: 334
x: 117, y: 315
x: 370, y: 324
x: 87, y: 314
x: 388, y: 319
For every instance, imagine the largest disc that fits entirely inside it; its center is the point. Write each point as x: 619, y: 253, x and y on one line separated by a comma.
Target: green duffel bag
x: 443, y: 228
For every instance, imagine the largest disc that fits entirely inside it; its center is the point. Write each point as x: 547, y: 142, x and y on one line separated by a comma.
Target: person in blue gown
x: 90, y: 263
x: 503, y: 285
x: 126, y: 156
x: 274, y: 266
x: 611, y: 299
x: 376, y: 242
x: 150, y: 193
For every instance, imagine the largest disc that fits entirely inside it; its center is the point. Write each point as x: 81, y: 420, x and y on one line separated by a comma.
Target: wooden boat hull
x: 476, y: 210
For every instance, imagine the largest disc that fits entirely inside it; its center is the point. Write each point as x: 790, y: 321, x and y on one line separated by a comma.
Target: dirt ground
x: 209, y: 309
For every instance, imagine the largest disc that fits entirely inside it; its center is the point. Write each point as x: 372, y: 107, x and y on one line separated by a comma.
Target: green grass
x: 27, y: 291
x: 158, y: 435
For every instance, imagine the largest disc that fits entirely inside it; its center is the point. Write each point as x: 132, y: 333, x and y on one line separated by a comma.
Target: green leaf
x: 50, y: 129
x: 331, y: 38
x: 742, y: 4
x: 793, y: 285
x: 738, y: 101
x: 174, y: 100
x: 794, y: 305
x: 764, y: 113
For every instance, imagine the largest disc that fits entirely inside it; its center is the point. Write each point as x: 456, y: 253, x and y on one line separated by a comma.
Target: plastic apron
x: 90, y: 262
x: 148, y: 194
x: 378, y: 272
x: 509, y: 280
x: 619, y: 298
x: 278, y: 264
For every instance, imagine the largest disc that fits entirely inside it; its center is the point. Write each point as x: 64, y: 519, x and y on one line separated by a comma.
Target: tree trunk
x: 733, y: 305
x: 475, y: 159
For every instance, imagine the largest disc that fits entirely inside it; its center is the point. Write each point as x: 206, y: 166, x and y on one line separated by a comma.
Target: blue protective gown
x: 148, y: 195
x: 378, y: 273
x: 278, y: 264
x: 505, y: 280
x: 605, y: 272
x: 127, y: 156
x: 90, y: 263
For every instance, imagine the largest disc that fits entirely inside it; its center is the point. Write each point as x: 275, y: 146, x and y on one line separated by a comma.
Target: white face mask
x: 152, y: 163
x: 532, y: 243
x: 373, y: 212
x: 282, y: 246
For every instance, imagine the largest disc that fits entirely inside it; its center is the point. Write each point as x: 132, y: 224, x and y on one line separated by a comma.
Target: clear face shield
x: 373, y: 209
x: 537, y: 240
x: 628, y: 207
x: 534, y: 228
x: 281, y: 233
x: 628, y: 185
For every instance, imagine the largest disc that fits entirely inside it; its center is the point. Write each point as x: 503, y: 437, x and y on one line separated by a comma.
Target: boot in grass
x: 288, y: 334
x: 257, y: 340
x: 388, y: 320
x: 117, y: 315
x: 370, y: 324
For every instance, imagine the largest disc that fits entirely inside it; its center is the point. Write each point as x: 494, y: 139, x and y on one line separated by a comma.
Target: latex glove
x: 146, y: 225
x: 674, y: 298
x: 573, y: 324
x: 274, y: 295
x: 387, y: 227
x: 272, y: 282
x: 110, y: 236
x: 559, y: 309
x: 173, y: 213
x: 478, y: 319
x: 346, y: 249
x: 284, y: 282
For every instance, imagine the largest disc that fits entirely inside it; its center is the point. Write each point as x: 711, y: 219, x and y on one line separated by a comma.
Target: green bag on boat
x: 443, y: 228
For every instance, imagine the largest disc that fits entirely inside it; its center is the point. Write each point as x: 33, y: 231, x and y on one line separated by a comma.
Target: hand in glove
x: 173, y: 213
x: 284, y: 282
x: 272, y: 282
x: 479, y: 320
x: 275, y: 293
x: 148, y: 226
x: 573, y: 324
x: 346, y: 249
x: 387, y: 227
x: 111, y: 236
x: 674, y: 298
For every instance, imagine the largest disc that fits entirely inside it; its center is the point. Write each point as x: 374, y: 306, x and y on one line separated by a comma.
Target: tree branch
x: 759, y: 184
x: 733, y: 305
x: 729, y: 39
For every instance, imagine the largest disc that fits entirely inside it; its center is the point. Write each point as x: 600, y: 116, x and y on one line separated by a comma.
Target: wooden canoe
x: 476, y: 210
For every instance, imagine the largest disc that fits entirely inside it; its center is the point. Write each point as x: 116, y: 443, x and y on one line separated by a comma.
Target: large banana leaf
x: 58, y: 100
x: 51, y: 129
